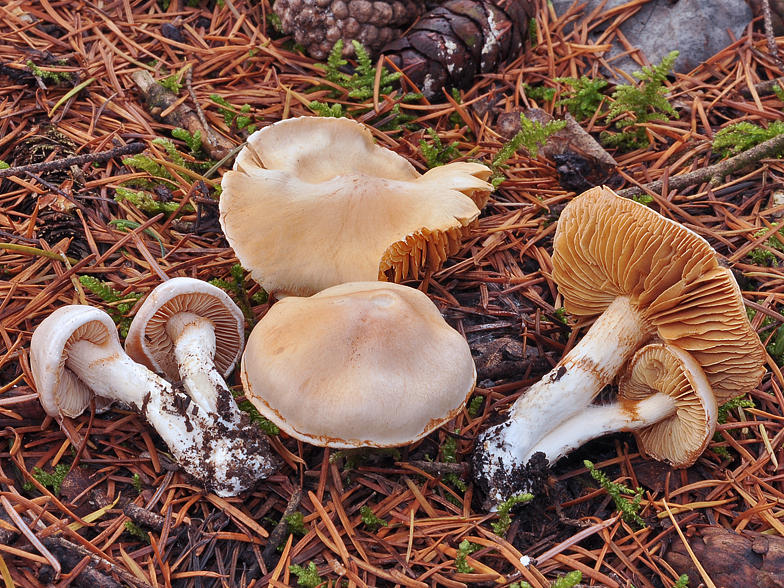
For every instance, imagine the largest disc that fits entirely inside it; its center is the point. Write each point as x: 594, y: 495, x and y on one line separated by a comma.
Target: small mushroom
x: 362, y: 364
x: 75, y: 353
x: 314, y: 202
x: 648, y: 278
x: 192, y: 331
x: 663, y: 397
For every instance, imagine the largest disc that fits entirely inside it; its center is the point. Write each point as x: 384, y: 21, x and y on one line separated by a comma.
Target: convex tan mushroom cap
x: 683, y: 434
x: 607, y: 247
x: 314, y: 202
x: 150, y: 342
x: 360, y: 364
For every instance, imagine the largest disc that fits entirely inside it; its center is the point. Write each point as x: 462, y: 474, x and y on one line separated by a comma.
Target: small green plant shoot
x: 504, y: 520
x: 629, y: 509
x: 231, y: 116
x: 370, y: 519
x: 436, y: 153
x: 53, y: 480
x: 568, y: 581
x: 307, y: 577
x: 633, y: 106
x: 135, y: 530
x: 532, y: 136
x: 465, y: 549
x: 584, y: 98
x: 739, y: 137
x: 295, y: 524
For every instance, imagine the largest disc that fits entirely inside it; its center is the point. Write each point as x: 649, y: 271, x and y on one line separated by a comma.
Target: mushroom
x: 75, y: 353
x: 663, y: 397
x: 192, y: 331
x: 651, y: 279
x: 368, y: 364
x: 314, y: 202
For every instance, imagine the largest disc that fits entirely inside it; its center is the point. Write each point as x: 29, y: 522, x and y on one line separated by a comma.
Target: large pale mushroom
x: 75, y: 353
x: 313, y: 202
x: 651, y: 279
x: 368, y: 364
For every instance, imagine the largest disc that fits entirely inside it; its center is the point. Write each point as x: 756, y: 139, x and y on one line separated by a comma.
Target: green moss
x: 635, y: 105
x: 436, y: 153
x: 53, y: 480
x: 465, y: 549
x: 307, y: 577
x: 629, y: 509
x: 370, y: 519
x: 504, y: 520
x: 584, y: 98
x: 744, y: 135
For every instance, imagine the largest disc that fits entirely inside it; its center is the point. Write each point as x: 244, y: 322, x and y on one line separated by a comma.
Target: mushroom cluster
x: 658, y: 291
x: 186, y: 329
x: 323, y: 217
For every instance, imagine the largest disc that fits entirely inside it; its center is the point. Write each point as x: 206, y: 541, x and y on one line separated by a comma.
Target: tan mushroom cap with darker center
x: 149, y: 343
x: 314, y: 202
x: 360, y: 364
x: 608, y: 247
x: 664, y: 369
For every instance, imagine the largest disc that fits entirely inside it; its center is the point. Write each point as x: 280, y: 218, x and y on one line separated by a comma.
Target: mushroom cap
x: 666, y: 369
x: 314, y: 202
x: 607, y: 246
x: 148, y: 342
x: 61, y: 392
x: 361, y: 364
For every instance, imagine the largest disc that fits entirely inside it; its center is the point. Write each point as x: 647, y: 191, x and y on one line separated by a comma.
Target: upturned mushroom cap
x: 149, y: 343
x: 314, y: 202
x: 607, y: 246
x: 60, y: 391
x: 681, y: 438
x: 359, y: 364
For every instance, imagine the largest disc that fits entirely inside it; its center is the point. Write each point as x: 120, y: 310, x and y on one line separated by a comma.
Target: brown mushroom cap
x: 61, y: 392
x: 314, y: 202
x: 360, y: 364
x: 148, y: 342
x: 681, y: 438
x: 607, y: 246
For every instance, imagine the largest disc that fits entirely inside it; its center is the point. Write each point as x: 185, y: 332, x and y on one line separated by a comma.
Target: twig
x: 773, y: 49
x: 195, y: 100
x: 713, y: 174
x: 279, y: 532
x: 439, y: 468
x: 67, y: 162
x: 98, y: 562
x: 764, y: 88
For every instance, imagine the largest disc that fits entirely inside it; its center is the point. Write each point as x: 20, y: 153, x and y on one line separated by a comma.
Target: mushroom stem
x: 597, y: 421
x: 564, y: 392
x: 194, y: 350
x: 227, y: 461
x: 117, y: 376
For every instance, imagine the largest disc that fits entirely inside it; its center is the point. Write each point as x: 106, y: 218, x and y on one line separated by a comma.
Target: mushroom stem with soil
x: 75, y: 353
x: 646, y: 278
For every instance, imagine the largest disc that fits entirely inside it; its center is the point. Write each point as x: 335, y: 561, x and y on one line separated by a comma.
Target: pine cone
x: 318, y: 24
x: 459, y: 39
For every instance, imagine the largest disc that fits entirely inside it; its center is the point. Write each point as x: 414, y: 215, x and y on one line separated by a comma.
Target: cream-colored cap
x: 314, y: 202
x: 359, y: 364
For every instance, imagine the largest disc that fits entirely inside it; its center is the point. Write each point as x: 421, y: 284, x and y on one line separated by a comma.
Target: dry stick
x: 279, y: 532
x: 773, y: 49
x: 195, y: 100
x: 67, y: 162
x: 713, y: 174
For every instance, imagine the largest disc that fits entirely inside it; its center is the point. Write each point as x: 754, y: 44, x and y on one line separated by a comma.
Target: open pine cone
x: 319, y: 24
x: 459, y: 39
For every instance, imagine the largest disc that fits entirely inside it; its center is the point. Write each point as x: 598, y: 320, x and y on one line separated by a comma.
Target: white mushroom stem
x: 564, y: 392
x: 596, y: 421
x: 194, y: 350
x: 226, y: 461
